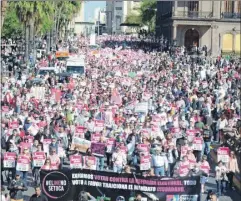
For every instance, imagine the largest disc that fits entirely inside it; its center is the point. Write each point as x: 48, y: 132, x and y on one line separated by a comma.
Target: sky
x: 90, y: 7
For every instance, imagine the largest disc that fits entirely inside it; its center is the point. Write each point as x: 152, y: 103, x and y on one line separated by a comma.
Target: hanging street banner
x: 66, y: 185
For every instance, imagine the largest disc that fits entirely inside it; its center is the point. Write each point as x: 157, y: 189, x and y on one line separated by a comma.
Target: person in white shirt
x: 221, y: 177
x: 221, y: 124
x: 159, y: 163
x: 119, y: 160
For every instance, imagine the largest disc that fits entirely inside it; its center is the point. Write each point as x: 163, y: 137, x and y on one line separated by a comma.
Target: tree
x: 3, y: 8
x: 148, y: 13
x: 67, y: 11
x: 133, y: 18
x: 145, y: 16
x: 39, y: 18
x: 11, y: 26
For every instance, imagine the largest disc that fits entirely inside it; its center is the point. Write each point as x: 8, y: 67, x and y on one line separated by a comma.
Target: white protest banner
x: 9, y: 159
x: 223, y: 154
x: 38, y: 159
x: 75, y: 161
x: 90, y: 162
x: 80, y: 144
x: 23, y: 163
x: 145, y: 162
x: 197, y: 143
x: 110, y: 145
x: 141, y: 107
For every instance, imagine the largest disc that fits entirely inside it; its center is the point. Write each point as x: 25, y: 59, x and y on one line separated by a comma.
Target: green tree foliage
x: 133, y: 18
x: 11, y: 25
x: 146, y: 14
x: 39, y: 16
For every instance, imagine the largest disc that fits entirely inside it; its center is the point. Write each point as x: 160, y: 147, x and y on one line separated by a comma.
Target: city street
x: 120, y: 100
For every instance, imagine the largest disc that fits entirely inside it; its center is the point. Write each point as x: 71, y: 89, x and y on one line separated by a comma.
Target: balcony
x: 193, y: 14
x: 227, y: 15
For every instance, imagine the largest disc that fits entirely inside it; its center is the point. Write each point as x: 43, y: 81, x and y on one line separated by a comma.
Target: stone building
x: 215, y: 24
x: 116, y: 13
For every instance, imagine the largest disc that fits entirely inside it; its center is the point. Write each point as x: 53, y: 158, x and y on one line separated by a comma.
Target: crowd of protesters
x: 157, y: 114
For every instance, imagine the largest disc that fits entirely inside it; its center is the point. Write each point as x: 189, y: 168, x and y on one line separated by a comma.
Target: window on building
x: 193, y: 6
x: 229, y: 6
x: 118, y: 22
x: 239, y: 7
x: 118, y: 8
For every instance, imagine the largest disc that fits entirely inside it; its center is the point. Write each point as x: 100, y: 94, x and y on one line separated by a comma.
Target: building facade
x: 100, y: 15
x: 116, y: 13
x: 215, y: 24
x: 78, y: 24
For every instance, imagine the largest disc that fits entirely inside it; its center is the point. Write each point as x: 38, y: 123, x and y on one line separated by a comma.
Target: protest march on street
x: 120, y: 120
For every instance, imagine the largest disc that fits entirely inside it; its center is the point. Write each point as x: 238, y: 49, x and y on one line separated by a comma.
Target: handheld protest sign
x: 90, y: 162
x: 23, y: 163
x: 76, y: 161
x: 223, y: 154
x: 38, y: 159
x: 145, y: 162
x: 9, y: 160
x: 197, y: 143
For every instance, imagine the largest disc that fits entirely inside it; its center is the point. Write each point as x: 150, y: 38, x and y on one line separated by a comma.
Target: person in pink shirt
x: 190, y: 155
x: 54, y: 158
x: 47, y: 165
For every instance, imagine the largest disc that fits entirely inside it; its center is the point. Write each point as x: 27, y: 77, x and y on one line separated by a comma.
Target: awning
x: 129, y: 25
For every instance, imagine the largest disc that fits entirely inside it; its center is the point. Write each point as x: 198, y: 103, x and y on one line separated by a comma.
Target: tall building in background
x: 215, y: 24
x: 116, y: 13
x: 100, y: 14
x: 78, y: 20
